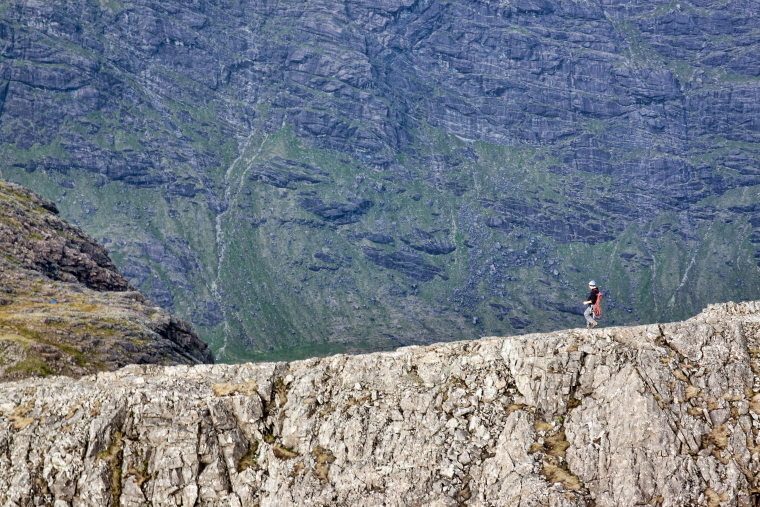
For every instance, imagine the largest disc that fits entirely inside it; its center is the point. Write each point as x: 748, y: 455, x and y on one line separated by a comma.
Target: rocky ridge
x: 66, y: 309
x: 665, y: 414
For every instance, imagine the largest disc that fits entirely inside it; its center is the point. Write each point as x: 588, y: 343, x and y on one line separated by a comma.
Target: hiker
x: 591, y: 301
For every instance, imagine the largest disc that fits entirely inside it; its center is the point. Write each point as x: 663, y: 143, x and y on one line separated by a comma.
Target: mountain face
x: 65, y: 309
x: 649, y: 415
x: 303, y: 178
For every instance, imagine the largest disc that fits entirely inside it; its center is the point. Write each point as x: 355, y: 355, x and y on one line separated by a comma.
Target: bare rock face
x: 65, y: 309
x: 651, y: 415
x: 223, y: 143
x: 33, y: 236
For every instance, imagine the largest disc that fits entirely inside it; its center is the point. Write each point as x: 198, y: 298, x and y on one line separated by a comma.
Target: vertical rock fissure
x: 551, y: 451
x: 113, y: 456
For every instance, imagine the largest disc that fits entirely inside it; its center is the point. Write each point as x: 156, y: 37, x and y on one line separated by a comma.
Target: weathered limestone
x: 652, y: 415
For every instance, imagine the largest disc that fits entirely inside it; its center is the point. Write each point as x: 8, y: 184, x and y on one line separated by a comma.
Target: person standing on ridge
x: 591, y: 301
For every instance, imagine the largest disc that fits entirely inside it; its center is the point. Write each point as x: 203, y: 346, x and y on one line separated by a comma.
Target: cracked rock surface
x: 659, y: 415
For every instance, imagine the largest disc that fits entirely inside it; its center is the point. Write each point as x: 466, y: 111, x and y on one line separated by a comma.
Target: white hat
x: 593, y: 283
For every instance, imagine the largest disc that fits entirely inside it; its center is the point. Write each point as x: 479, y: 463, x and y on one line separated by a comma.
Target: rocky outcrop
x: 64, y: 307
x: 652, y: 415
x: 408, y: 263
x: 424, y: 241
x: 33, y: 236
x: 336, y: 212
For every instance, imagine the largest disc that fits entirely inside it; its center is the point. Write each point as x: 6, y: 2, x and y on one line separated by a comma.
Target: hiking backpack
x: 598, y: 306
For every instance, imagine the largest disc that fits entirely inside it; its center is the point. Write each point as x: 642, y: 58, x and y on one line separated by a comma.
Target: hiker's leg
x: 589, y: 314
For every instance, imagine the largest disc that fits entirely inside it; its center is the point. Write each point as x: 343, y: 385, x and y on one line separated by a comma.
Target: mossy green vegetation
x: 32, y: 366
x: 258, y: 264
x: 207, y: 234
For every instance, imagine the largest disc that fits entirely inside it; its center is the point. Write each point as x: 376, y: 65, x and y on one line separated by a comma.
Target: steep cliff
x: 309, y: 177
x: 663, y: 415
x: 65, y: 308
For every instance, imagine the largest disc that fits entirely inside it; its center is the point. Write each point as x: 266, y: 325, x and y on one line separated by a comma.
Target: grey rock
x: 278, y: 177
x: 662, y: 414
x: 71, y: 312
x: 631, y: 107
x: 519, y: 322
x: 408, y: 263
x: 381, y: 239
x: 426, y: 242
x: 336, y: 212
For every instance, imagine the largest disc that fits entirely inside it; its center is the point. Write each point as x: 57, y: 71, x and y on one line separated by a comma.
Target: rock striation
x: 663, y: 415
x: 219, y: 146
x: 66, y: 309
